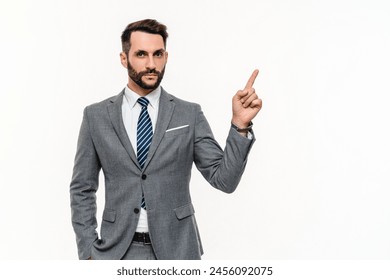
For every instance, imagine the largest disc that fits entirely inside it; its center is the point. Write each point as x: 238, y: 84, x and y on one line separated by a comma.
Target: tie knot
x: 143, y: 101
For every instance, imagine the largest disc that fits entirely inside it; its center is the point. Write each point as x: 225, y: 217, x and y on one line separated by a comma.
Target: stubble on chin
x: 136, y: 77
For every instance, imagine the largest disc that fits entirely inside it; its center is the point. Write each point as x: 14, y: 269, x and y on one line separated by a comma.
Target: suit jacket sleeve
x: 222, y: 169
x: 83, y: 189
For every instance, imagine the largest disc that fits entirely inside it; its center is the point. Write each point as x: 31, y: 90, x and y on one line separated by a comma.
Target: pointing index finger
x: 252, y: 79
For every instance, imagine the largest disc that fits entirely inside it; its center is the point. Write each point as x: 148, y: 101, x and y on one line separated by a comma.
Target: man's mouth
x: 150, y: 76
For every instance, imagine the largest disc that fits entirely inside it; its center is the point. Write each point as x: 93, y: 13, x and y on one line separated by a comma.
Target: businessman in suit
x: 145, y: 140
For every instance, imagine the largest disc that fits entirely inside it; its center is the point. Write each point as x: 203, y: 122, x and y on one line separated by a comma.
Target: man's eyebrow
x: 156, y: 51
x: 159, y: 51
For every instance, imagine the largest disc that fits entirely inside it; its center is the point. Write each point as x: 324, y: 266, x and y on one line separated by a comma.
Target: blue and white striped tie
x: 144, y: 136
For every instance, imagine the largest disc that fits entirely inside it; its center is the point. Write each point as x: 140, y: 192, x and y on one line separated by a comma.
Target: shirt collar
x: 153, y: 97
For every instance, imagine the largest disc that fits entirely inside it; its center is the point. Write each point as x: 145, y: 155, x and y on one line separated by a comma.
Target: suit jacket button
x: 143, y: 176
x: 136, y: 210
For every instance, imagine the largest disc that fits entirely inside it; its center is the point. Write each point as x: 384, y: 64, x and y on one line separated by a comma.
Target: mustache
x: 150, y: 71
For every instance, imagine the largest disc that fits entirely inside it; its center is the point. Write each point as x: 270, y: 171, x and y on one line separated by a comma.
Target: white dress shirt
x: 131, y: 110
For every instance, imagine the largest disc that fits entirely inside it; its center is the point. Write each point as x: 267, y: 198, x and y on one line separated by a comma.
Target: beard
x: 137, y: 76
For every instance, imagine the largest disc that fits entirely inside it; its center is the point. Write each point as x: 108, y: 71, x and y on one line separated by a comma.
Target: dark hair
x: 146, y: 25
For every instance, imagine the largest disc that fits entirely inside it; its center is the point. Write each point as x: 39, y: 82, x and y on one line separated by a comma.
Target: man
x: 145, y: 141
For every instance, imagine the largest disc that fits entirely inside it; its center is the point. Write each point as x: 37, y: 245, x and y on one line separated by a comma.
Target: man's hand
x: 246, y: 103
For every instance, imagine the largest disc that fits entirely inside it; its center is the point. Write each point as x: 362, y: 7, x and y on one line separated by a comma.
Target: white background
x: 317, y: 181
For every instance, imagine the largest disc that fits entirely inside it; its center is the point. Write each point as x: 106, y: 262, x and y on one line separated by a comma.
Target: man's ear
x: 166, y: 57
x: 123, y: 57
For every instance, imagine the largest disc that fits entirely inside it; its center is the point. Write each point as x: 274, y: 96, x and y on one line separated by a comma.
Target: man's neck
x: 137, y: 89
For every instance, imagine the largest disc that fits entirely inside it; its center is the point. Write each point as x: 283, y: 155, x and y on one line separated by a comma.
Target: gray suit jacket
x: 104, y: 144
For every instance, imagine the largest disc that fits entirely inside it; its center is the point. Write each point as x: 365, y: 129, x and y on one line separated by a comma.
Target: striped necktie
x: 144, y: 136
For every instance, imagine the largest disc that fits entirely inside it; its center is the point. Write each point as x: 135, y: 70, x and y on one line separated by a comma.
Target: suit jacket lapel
x: 115, y: 112
x: 165, y: 112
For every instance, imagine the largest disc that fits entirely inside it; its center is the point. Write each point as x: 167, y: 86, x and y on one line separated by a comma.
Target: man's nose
x: 150, y: 63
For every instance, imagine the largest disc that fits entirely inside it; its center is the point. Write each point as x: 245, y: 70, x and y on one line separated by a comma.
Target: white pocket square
x: 176, y: 128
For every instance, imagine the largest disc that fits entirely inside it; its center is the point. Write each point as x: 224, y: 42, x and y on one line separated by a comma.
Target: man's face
x: 145, y: 61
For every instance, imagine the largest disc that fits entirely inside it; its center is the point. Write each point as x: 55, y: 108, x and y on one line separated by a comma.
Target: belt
x: 142, y: 237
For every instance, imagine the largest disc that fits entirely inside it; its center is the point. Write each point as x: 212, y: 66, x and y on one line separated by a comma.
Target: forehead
x: 145, y: 41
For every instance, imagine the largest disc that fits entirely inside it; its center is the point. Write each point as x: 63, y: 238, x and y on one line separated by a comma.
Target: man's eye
x: 140, y: 54
x: 159, y: 54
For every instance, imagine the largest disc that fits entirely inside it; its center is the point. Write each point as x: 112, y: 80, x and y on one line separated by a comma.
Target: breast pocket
x: 172, y: 132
